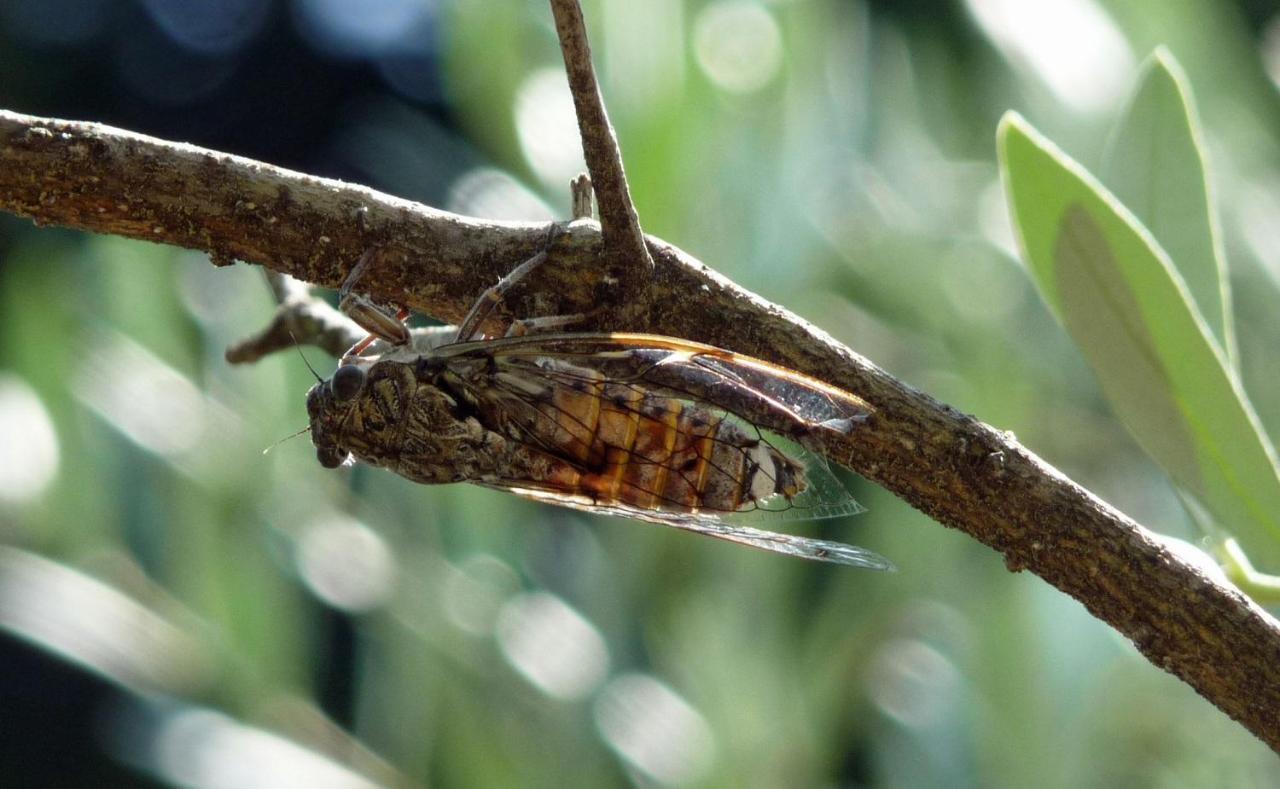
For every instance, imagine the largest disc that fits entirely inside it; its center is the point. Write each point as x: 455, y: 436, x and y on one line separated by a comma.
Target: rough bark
x: 961, y: 472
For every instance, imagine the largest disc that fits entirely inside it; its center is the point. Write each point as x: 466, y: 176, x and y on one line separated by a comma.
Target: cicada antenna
x: 306, y: 429
x: 319, y: 380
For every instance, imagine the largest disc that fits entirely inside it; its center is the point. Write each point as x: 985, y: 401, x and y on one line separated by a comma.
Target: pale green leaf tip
x: 1012, y: 129
x: 1012, y: 120
x: 1163, y: 57
x: 1161, y: 62
x: 1015, y: 128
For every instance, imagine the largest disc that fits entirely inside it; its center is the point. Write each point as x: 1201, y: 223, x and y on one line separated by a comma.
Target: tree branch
x: 618, y: 218
x: 300, y: 318
x: 961, y: 472
x: 304, y: 319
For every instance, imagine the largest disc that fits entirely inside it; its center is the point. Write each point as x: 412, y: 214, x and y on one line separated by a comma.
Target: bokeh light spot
x: 156, y: 67
x: 552, y: 646
x: 913, y: 683
x: 210, y: 28
x: 654, y: 730
x: 1073, y: 46
x: 994, y: 221
x: 28, y: 442
x: 151, y: 403
x: 738, y: 45
x: 1257, y: 214
x: 364, y: 29
x: 95, y: 625
x: 200, y: 747
x: 643, y: 55
x: 474, y: 590
x: 160, y: 409
x: 1269, y: 49
x: 493, y: 194
x: 548, y: 128
x: 346, y: 564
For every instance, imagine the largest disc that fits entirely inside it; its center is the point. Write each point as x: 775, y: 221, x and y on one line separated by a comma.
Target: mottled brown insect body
x: 611, y: 443
x: 636, y: 425
x: 626, y: 444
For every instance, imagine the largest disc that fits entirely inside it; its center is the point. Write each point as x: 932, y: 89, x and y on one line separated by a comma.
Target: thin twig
x: 580, y: 197
x: 300, y: 319
x: 306, y: 319
x: 963, y: 473
x: 618, y: 218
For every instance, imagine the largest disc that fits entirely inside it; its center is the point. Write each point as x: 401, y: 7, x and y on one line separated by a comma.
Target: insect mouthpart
x: 347, y: 382
x: 331, y: 456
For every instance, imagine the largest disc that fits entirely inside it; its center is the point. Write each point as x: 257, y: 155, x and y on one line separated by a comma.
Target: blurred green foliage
x: 836, y: 158
x: 1121, y: 299
x: 1138, y: 280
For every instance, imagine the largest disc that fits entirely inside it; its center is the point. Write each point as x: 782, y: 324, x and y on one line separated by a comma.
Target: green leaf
x: 1119, y: 296
x: 1155, y: 165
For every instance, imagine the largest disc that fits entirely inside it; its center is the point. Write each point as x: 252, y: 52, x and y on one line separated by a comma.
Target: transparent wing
x: 825, y: 497
x: 713, y: 525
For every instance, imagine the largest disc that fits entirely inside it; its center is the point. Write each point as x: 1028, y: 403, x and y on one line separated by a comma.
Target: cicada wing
x: 794, y: 403
x: 524, y: 385
x: 824, y: 497
x: 714, y: 525
x: 791, y: 545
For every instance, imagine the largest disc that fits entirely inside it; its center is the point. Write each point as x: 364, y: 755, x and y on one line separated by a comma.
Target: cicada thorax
x: 402, y: 420
x: 625, y: 443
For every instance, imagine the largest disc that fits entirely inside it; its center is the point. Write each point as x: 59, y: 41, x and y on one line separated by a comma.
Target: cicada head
x: 359, y: 411
x: 329, y: 404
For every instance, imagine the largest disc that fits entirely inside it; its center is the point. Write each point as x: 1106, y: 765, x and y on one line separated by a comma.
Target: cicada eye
x: 347, y: 382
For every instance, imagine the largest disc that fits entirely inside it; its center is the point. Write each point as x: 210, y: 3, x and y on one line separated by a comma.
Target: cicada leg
x: 368, y: 314
x: 469, y: 329
x: 381, y: 324
x: 493, y: 296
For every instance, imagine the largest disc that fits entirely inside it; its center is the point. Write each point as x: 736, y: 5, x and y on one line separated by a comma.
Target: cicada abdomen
x: 627, y: 444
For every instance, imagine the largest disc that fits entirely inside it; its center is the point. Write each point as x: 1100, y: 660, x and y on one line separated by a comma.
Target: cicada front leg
x: 377, y: 319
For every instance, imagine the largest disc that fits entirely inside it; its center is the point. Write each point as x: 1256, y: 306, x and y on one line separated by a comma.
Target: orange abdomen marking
x: 655, y: 452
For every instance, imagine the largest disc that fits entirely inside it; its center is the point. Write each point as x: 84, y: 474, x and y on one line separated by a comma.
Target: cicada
x: 643, y: 426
